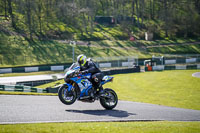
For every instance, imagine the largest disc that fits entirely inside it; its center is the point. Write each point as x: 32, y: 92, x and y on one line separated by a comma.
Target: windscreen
x: 74, y: 66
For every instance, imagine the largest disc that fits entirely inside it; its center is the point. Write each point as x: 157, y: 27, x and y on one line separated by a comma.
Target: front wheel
x: 109, y: 101
x: 65, y: 96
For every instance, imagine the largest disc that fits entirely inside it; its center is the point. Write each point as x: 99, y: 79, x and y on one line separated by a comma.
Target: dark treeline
x: 63, y: 18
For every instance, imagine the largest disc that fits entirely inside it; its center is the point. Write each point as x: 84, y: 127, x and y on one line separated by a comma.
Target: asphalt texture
x: 41, y: 109
x: 197, y: 74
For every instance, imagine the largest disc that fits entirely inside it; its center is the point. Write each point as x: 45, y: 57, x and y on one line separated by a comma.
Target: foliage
x: 29, y: 29
x: 17, y: 51
x: 66, y: 19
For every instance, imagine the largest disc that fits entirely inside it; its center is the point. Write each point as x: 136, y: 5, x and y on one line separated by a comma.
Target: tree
x: 10, y: 10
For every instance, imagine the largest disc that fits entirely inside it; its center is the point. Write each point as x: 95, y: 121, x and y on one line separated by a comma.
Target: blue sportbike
x: 79, y: 86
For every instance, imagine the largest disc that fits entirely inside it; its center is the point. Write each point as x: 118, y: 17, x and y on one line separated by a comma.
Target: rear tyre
x: 110, y: 100
x: 65, y: 96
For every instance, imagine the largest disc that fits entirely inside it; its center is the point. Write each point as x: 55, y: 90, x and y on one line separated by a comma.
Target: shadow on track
x: 113, y: 113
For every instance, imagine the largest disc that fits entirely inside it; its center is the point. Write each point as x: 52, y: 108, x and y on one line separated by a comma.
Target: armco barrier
x: 122, y: 71
x: 17, y: 88
x: 175, y: 67
x: 180, y: 60
x: 191, y: 67
x: 170, y: 62
x: 198, y: 66
x: 183, y: 67
x: 158, y: 68
x: 170, y: 67
x: 33, y: 69
x: 6, y: 70
x: 44, y: 68
x: 18, y: 70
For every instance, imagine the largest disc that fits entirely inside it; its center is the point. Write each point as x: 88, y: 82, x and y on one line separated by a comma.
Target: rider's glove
x: 84, y: 72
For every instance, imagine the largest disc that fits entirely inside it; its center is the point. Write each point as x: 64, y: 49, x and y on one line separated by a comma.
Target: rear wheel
x: 65, y: 96
x: 110, y: 100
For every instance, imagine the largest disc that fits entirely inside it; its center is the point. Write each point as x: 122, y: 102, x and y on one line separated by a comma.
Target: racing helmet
x: 81, y: 59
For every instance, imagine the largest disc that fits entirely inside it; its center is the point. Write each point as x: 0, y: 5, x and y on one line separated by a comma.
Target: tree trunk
x: 39, y: 17
x: 197, y: 5
x: 102, y: 5
x: 123, y: 12
x: 150, y: 5
x: 142, y: 6
x: 153, y: 9
x: 28, y: 6
x: 5, y: 9
x: 166, y: 17
x: 137, y: 10
x: 133, y: 11
x: 107, y: 9
x: 10, y: 10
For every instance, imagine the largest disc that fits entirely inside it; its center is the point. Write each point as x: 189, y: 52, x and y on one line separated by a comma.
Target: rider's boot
x: 101, y: 90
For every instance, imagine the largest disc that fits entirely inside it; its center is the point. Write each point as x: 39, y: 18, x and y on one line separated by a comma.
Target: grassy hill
x: 17, y: 50
x: 36, y: 32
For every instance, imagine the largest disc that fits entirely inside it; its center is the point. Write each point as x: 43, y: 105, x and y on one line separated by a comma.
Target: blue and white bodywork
x: 83, y: 81
x: 79, y: 86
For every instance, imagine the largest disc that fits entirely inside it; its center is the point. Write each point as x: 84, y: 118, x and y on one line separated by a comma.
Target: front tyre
x: 65, y: 96
x: 110, y: 100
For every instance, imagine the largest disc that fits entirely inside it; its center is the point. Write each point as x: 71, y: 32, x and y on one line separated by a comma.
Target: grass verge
x: 105, y: 127
x: 172, y: 88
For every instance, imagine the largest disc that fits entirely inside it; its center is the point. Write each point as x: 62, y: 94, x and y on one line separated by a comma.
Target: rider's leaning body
x: 88, y: 66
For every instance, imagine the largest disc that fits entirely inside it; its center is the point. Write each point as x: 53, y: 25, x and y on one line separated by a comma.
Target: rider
x: 88, y: 66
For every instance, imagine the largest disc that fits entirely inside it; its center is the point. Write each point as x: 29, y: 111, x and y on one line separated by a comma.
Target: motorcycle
x: 78, y: 86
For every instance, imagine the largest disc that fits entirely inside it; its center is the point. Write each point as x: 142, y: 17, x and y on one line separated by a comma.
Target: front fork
x: 70, y: 88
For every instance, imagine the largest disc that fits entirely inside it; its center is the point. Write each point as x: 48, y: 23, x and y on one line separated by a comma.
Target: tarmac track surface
x: 197, y: 74
x: 39, y: 109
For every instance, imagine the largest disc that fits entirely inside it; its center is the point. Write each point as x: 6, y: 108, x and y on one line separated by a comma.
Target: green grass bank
x: 17, y: 51
x: 105, y: 127
x: 171, y: 88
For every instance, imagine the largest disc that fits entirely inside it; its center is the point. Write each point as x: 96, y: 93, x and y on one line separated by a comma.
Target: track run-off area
x: 41, y: 109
